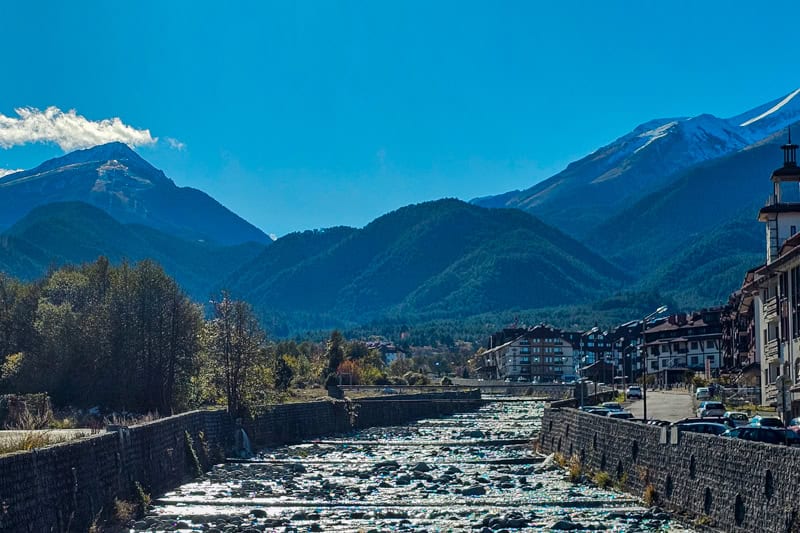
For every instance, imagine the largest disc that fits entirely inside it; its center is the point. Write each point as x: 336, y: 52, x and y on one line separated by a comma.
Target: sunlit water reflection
x: 468, y: 472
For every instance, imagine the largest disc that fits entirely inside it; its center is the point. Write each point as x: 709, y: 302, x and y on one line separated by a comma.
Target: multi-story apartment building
x: 625, y: 341
x: 684, y: 342
x: 539, y: 354
x: 775, y: 291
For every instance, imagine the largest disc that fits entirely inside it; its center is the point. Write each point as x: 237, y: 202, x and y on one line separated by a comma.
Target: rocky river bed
x: 468, y: 472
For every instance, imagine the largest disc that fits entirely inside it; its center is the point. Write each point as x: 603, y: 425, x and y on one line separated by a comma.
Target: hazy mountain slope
x: 602, y: 184
x: 707, y: 270
x: 114, y: 178
x: 651, y: 231
x: 74, y: 232
x: 444, y: 256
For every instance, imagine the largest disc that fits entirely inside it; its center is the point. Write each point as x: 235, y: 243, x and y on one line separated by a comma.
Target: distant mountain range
x: 668, y: 210
x: 606, y: 182
x: 437, y: 259
x: 117, y: 180
x: 669, y: 188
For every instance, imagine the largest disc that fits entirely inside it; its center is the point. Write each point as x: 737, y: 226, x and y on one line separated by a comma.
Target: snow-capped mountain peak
x: 771, y: 110
x: 759, y: 123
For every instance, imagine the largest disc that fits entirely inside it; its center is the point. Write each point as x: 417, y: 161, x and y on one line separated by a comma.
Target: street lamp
x: 582, y: 360
x: 644, y: 357
x: 626, y: 356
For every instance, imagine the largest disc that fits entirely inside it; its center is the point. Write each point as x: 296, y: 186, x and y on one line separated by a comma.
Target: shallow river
x: 468, y: 472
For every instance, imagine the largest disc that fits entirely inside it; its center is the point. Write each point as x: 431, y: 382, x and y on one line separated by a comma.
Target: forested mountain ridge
x: 74, y: 233
x: 441, y: 258
x: 116, y: 179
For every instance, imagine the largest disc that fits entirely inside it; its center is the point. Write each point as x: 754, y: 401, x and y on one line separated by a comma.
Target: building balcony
x: 771, y: 309
x: 771, y: 396
x: 771, y: 351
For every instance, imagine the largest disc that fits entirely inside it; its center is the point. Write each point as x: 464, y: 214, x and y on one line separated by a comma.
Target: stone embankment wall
x: 730, y: 484
x: 67, y: 486
x: 296, y: 422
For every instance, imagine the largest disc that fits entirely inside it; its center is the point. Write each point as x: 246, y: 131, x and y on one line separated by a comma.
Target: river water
x: 468, y: 472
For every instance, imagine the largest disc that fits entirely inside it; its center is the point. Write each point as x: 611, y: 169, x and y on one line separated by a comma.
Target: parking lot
x: 666, y: 405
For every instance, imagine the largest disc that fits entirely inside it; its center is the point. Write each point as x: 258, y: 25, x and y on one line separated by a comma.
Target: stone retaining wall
x: 297, y: 422
x: 65, y: 487
x: 730, y: 484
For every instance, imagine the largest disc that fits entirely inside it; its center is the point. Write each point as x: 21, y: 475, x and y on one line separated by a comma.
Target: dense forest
x: 128, y: 338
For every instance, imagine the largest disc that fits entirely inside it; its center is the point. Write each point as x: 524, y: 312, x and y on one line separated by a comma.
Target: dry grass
x: 575, y: 469
x: 124, y: 510
x: 602, y: 479
x: 650, y: 496
x: 32, y: 440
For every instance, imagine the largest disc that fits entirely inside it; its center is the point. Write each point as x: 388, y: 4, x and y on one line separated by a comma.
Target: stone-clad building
x: 539, y: 354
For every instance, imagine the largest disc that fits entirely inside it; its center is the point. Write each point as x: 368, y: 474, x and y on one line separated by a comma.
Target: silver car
x: 710, y: 409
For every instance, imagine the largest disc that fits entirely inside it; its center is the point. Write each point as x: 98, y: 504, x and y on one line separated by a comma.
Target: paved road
x: 670, y: 406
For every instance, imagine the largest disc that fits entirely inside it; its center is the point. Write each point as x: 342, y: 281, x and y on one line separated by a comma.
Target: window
x: 694, y: 345
x: 695, y: 361
x: 709, y: 344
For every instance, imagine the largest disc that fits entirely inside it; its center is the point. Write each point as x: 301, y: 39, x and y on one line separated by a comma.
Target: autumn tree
x: 237, y: 340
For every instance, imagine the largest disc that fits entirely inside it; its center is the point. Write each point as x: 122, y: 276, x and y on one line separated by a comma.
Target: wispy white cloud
x: 175, y: 144
x: 69, y: 130
x: 7, y: 171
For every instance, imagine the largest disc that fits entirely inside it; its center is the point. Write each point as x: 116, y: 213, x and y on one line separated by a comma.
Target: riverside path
x: 467, y: 472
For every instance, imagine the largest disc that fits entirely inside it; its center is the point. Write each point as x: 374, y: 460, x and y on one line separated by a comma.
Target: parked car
x: 710, y: 408
x: 611, y: 406
x: 769, y: 435
x: 717, y: 419
x: 737, y: 417
x: 794, y: 425
x: 595, y: 410
x: 712, y: 428
x: 522, y: 379
x: 759, y: 421
x: 702, y: 393
x: 625, y: 415
x: 634, y: 391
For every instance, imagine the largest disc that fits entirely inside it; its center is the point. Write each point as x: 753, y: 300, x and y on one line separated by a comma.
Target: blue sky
x: 313, y: 114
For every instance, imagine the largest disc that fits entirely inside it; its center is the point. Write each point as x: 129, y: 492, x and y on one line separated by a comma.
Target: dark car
x: 759, y: 421
x: 794, y: 425
x: 769, y: 435
x: 626, y: 415
x: 715, y: 419
x: 711, y: 428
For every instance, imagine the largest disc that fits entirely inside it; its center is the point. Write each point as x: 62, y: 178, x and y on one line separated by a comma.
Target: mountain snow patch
x: 657, y: 133
x: 771, y: 110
